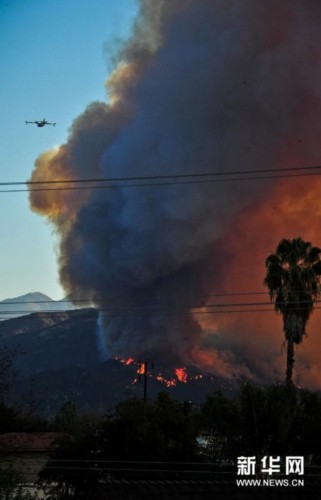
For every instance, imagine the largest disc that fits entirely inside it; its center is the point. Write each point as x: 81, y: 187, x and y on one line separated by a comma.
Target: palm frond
x: 293, y: 274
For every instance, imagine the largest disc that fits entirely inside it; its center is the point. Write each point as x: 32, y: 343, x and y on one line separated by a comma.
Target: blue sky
x: 54, y: 57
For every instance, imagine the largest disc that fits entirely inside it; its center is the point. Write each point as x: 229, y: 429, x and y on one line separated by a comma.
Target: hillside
x: 57, y: 360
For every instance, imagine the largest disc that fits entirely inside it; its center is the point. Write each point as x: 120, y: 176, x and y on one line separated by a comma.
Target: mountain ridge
x: 32, y: 302
x: 31, y: 296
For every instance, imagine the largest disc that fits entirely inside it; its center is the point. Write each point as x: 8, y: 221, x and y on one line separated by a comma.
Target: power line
x: 134, y: 313
x: 243, y: 175
x: 163, y: 177
x: 184, y: 306
x: 158, y: 184
x: 196, y: 304
x: 120, y: 309
x: 141, y: 297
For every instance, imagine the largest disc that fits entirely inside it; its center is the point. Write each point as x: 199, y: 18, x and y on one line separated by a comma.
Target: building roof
x: 28, y: 441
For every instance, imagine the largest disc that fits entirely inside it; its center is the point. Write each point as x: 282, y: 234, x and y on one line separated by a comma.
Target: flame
x: 127, y: 361
x: 141, y: 369
x: 181, y: 374
x: 167, y: 382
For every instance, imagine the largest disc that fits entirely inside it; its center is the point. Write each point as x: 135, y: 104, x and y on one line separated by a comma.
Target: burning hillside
x: 169, y: 377
x: 160, y: 228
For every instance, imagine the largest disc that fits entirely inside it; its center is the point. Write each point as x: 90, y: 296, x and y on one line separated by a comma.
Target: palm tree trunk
x: 289, y: 361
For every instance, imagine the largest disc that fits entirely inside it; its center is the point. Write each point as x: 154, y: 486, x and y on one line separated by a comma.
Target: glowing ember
x: 126, y: 362
x: 141, y: 369
x: 167, y: 382
x: 181, y: 374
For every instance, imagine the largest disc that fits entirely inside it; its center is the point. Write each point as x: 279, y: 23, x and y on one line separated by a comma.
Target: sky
x: 54, y: 57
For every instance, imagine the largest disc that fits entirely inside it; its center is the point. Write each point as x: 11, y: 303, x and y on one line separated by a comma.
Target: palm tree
x: 293, y: 280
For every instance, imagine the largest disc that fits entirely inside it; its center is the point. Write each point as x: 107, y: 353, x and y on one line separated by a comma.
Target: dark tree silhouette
x: 293, y: 280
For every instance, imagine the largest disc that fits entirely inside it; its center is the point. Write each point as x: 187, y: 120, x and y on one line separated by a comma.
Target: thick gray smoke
x: 201, y: 86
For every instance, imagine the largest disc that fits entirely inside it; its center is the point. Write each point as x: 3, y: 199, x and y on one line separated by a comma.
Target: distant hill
x: 31, y: 302
x: 58, y: 360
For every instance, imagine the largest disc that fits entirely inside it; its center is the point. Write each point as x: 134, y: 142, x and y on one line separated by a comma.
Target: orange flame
x: 141, y: 369
x: 127, y: 361
x: 181, y: 374
x: 167, y: 382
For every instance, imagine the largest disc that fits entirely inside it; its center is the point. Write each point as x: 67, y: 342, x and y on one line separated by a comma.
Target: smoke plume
x: 213, y: 86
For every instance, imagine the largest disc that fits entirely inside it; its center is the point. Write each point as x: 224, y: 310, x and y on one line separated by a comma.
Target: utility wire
x: 179, y: 180
x: 169, y: 176
x: 189, y: 306
x: 157, y: 184
x: 156, y: 313
x: 150, y: 184
x: 142, y: 297
x: 134, y: 310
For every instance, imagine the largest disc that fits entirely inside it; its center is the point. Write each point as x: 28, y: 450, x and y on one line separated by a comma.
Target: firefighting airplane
x: 42, y: 123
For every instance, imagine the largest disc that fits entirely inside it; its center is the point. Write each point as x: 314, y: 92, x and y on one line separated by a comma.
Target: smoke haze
x: 211, y: 86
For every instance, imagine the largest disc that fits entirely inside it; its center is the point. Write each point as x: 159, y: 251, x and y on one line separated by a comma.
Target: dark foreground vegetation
x: 260, y: 421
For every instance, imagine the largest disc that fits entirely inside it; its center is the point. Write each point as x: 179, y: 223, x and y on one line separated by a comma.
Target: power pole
x: 145, y: 380
x: 143, y: 370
